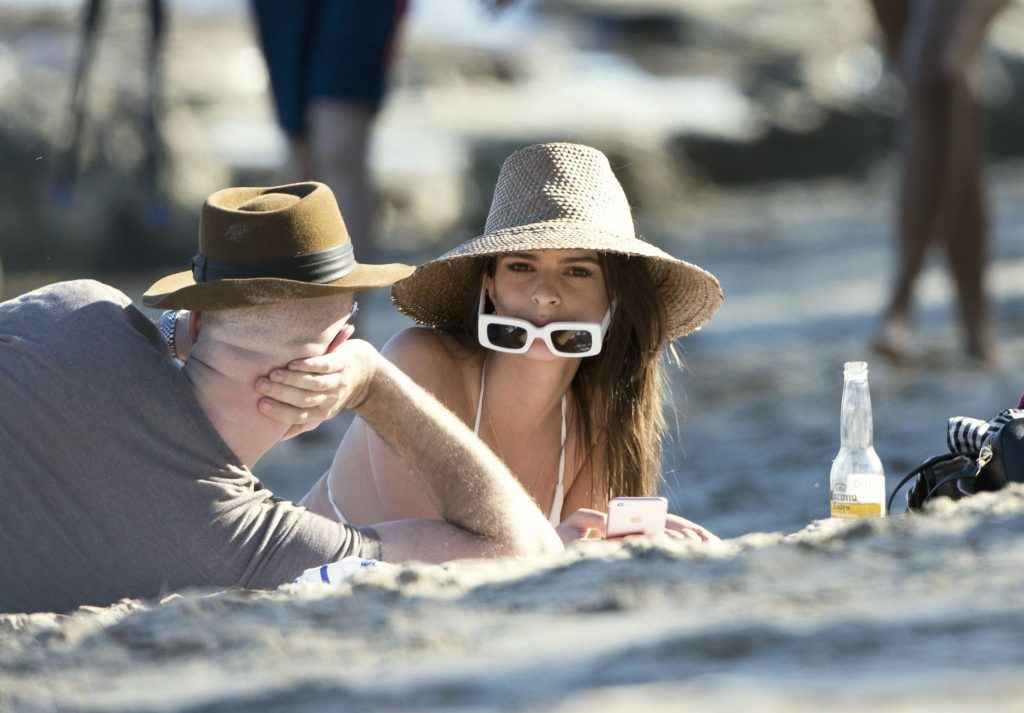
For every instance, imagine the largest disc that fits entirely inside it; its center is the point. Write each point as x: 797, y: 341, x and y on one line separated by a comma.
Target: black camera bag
x: 954, y: 475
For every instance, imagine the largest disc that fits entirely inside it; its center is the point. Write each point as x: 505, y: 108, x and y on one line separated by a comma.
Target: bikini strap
x: 330, y: 498
x: 555, y: 517
x: 480, y: 400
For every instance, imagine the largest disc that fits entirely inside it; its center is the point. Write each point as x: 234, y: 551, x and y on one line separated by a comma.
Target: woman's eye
x: 579, y: 272
x: 519, y: 266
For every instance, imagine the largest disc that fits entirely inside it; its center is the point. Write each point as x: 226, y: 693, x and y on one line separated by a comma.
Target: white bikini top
x: 555, y: 518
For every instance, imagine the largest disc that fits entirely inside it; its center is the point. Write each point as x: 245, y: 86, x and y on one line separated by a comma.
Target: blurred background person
x: 328, y: 63
x: 934, y: 44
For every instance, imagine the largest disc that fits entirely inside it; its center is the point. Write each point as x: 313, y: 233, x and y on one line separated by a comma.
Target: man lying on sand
x: 126, y: 475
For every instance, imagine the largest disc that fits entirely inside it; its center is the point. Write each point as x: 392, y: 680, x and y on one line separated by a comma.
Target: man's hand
x: 315, y: 389
x: 584, y: 524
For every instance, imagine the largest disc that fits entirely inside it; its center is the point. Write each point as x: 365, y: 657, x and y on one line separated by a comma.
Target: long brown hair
x: 618, y: 393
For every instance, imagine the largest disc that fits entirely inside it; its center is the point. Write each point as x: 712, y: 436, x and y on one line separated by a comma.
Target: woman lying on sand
x: 574, y: 410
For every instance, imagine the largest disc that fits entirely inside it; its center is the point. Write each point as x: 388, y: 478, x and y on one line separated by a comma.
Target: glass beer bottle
x: 856, y: 482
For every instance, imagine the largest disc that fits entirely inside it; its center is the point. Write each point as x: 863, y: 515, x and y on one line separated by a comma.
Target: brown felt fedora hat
x: 556, y: 196
x: 264, y: 245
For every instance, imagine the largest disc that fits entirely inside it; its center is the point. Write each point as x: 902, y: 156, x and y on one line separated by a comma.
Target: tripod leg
x: 152, y: 136
x: 67, y: 172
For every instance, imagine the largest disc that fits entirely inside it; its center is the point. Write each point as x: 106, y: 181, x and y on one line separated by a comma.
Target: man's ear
x: 186, y: 331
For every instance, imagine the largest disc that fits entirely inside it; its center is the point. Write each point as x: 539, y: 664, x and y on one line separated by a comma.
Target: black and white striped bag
x: 966, y: 436
x: 983, y: 456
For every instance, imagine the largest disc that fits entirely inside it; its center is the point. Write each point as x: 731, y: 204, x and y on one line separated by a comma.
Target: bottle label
x: 861, y: 495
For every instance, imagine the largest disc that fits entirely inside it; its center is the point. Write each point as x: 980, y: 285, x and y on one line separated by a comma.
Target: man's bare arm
x: 473, y: 489
x: 421, y: 540
x: 486, y: 511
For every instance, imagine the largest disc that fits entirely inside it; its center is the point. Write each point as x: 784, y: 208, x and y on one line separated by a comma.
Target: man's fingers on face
x: 300, y: 398
x: 305, y: 380
x: 318, y: 364
x: 282, y: 413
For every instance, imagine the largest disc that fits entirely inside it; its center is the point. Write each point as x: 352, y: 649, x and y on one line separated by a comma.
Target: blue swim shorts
x: 326, y: 48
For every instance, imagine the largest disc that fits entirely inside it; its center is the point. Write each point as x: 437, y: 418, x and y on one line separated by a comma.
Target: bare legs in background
x: 934, y: 44
x: 336, y: 152
x: 329, y: 63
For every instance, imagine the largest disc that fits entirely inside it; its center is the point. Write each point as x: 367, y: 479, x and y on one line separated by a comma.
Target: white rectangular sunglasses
x: 565, y: 339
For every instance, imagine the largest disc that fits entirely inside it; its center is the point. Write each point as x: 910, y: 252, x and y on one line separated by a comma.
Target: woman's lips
x: 542, y: 321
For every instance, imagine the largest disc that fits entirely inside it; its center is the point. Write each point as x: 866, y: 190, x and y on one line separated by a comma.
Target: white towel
x: 335, y: 572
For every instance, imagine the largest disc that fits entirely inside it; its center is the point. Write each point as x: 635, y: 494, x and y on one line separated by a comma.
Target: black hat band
x: 323, y: 266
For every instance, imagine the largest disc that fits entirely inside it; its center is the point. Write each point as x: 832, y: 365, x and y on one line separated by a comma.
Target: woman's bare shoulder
x: 416, y: 344
x: 435, y: 360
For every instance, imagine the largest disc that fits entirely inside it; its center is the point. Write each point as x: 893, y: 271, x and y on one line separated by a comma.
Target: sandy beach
x: 900, y: 614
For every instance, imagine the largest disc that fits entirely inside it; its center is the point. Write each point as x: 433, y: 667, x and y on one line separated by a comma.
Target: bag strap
x: 948, y: 479
x: 916, y: 471
x: 983, y: 458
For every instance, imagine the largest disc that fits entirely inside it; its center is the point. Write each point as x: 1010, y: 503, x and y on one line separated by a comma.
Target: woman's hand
x: 313, y: 390
x: 584, y: 524
x: 592, y: 524
x: 681, y: 528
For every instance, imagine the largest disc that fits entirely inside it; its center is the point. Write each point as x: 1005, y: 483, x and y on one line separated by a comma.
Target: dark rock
x: 845, y: 142
x: 642, y: 28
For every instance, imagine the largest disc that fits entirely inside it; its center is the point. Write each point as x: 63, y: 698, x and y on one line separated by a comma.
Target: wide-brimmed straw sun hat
x: 264, y: 245
x: 555, y: 196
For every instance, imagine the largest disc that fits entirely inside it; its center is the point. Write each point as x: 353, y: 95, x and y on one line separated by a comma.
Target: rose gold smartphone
x: 636, y: 516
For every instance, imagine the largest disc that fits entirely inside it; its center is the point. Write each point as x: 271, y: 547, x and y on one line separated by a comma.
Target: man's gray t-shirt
x: 113, y: 482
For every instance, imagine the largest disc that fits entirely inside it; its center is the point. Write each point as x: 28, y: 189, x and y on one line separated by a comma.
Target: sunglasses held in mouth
x: 565, y: 339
